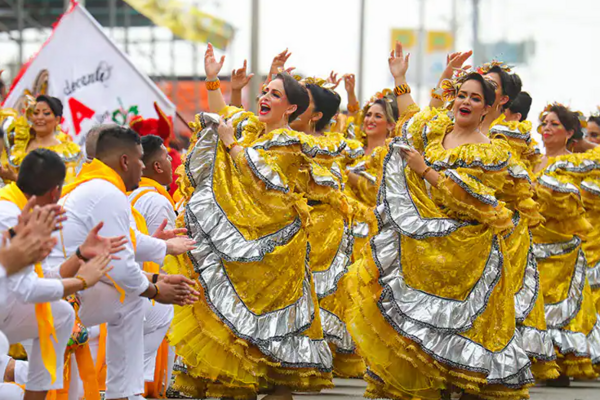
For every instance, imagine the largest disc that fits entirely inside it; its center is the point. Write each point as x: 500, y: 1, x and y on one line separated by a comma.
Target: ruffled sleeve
x: 420, y: 129
x: 560, y: 203
x: 467, y: 197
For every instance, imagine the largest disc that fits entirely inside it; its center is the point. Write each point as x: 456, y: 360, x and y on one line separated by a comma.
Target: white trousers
x: 21, y: 324
x: 128, y: 344
x: 157, y: 319
x: 10, y: 391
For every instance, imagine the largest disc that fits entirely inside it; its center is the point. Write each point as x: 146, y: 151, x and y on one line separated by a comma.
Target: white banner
x: 96, y: 82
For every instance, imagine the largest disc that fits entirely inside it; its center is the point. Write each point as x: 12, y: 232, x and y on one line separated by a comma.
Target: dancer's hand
x: 455, y: 61
x: 44, y: 220
x: 25, y: 249
x: 278, y: 64
x: 225, y: 131
x: 414, y: 160
x: 399, y: 62
x: 333, y: 79
x: 95, y: 244
x: 350, y: 83
x: 163, y: 234
x: 212, y: 67
x: 8, y: 174
x: 239, y: 78
x: 93, y: 270
x: 179, y: 245
x: 173, y: 292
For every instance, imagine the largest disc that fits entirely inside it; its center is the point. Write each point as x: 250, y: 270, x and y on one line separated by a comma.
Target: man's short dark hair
x: 152, y: 145
x: 41, y: 171
x: 115, y: 138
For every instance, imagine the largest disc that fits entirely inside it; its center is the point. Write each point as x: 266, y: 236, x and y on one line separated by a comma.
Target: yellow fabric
x: 436, y: 265
x: 100, y: 366
x: 151, y: 183
x: 43, y: 312
x: 66, y: 149
x: 219, y: 363
x: 96, y: 169
x: 566, y: 217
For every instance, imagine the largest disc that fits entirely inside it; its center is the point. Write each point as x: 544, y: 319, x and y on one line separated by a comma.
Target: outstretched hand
x: 398, y: 62
x: 239, y: 77
x: 212, y: 67
x: 455, y: 61
x: 333, y: 79
x: 96, y: 245
x: 278, y: 63
x: 163, y: 234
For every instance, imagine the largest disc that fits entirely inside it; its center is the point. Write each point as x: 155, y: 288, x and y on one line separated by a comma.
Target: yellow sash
x: 151, y: 183
x: 43, y: 312
x: 98, y: 170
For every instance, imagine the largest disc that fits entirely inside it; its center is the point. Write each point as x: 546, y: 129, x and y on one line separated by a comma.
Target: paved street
x: 353, y: 389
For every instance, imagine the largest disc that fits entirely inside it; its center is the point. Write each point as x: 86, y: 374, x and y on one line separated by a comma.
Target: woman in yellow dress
x: 569, y: 303
x: 434, y: 304
x: 41, y: 129
x: 257, y: 326
x: 330, y: 232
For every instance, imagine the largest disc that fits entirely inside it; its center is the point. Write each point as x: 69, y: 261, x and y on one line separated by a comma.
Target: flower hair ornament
x: 546, y: 110
x: 449, y: 88
x: 485, y: 68
x: 322, y: 83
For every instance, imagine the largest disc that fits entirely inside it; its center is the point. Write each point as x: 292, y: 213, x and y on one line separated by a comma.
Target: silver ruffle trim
x: 264, y: 172
x: 326, y: 281
x: 429, y: 320
x: 527, y: 295
x: 585, y: 166
x: 537, y: 343
x: 593, y: 275
x: 517, y: 171
x: 334, y: 331
x: 277, y: 333
x: 590, y: 187
x: 558, y: 186
x: 505, y: 130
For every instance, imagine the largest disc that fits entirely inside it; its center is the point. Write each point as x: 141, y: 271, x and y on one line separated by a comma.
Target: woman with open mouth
x: 434, y: 310
x: 566, y: 245
x: 41, y: 129
x: 257, y: 327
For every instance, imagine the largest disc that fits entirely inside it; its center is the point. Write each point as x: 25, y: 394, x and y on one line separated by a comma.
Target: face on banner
x: 95, y: 81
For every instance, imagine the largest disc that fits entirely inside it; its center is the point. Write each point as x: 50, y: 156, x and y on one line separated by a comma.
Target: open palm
x: 212, y: 67
x: 96, y: 245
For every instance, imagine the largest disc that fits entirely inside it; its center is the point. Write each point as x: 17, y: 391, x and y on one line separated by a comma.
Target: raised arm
x: 398, y: 63
x: 278, y: 64
x: 350, y: 85
x: 454, y: 61
x: 212, y: 67
x: 239, y: 80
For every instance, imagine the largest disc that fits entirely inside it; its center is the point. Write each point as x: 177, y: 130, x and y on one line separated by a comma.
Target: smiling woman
x: 41, y: 131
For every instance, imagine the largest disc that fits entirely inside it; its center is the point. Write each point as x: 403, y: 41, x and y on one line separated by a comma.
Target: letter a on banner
x: 79, y: 112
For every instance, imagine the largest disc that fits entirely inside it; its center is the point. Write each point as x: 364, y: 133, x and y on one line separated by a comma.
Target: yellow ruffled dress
x: 330, y: 235
x: 529, y: 301
x: 571, y: 314
x: 258, y: 323
x: 17, y: 139
x: 434, y: 304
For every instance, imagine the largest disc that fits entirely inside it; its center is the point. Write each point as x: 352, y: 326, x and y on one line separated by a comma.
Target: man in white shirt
x: 151, y: 199
x: 40, y: 180
x: 99, y: 194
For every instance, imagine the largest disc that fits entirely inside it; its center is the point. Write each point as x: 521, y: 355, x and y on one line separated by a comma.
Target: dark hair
x: 521, y: 105
x: 489, y: 94
x: 152, y: 145
x: 511, y: 84
x: 55, y: 104
x: 115, y: 137
x: 41, y: 171
x: 595, y: 119
x: 296, y: 93
x: 326, y: 101
x: 569, y: 119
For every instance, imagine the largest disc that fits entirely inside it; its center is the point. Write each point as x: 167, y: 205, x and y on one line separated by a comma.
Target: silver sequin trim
x: 537, y: 343
x: 326, y: 281
x: 334, y: 330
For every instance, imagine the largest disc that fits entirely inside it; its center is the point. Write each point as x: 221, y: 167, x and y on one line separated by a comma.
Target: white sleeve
x: 2, y: 272
x: 29, y: 288
x: 159, y: 209
x: 115, y: 212
x: 149, y: 248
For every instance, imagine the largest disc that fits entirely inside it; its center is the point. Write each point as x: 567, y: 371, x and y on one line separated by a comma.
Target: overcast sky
x: 324, y: 35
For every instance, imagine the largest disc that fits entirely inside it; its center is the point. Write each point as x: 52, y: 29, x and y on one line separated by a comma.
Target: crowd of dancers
x: 436, y: 253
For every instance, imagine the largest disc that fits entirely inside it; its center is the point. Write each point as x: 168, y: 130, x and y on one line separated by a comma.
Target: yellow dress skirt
x: 434, y: 304
x: 529, y: 300
x: 571, y: 315
x: 258, y: 322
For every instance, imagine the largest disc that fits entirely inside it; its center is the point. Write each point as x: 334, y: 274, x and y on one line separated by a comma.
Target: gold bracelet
x: 213, y: 85
x: 425, y: 172
x: 353, y: 107
x: 85, y: 285
x: 402, y: 89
